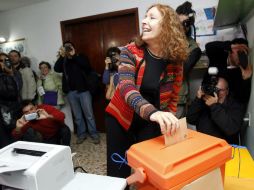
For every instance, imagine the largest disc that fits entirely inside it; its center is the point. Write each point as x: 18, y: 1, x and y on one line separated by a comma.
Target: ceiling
x: 6, y: 5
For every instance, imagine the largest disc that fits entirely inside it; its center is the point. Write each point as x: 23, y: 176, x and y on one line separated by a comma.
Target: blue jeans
x: 81, y: 104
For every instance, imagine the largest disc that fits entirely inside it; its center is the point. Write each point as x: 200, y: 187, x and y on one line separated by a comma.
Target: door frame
x: 65, y: 23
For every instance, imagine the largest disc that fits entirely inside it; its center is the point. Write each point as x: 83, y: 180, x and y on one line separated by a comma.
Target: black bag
x: 93, y: 82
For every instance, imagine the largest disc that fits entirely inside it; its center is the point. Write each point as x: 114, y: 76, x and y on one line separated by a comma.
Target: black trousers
x: 119, y: 141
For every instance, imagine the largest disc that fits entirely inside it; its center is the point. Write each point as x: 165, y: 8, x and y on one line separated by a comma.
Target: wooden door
x: 93, y: 35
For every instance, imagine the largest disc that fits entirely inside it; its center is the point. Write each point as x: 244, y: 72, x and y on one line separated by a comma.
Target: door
x: 93, y: 35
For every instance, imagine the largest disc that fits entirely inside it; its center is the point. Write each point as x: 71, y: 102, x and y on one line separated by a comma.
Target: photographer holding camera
x: 231, y: 58
x: 215, y: 112
x: 10, y: 85
x: 187, y: 17
x: 41, y: 123
x: 75, y: 68
x: 110, y: 74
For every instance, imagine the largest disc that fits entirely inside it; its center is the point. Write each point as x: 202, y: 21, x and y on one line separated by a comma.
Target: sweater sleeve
x: 178, y: 72
x: 128, y: 89
x: 58, y: 67
x: 193, y: 58
x: 106, y: 77
x: 57, y: 114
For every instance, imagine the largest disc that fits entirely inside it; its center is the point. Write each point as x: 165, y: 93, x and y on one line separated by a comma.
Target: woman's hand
x: 167, y: 121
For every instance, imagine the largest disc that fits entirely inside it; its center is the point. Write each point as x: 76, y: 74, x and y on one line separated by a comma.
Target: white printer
x: 35, y: 166
x: 38, y: 166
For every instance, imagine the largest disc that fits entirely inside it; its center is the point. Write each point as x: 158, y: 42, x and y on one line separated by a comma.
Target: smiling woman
x: 150, y: 75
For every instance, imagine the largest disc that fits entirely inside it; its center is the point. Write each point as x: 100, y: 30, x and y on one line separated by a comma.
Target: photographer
x: 227, y: 56
x: 74, y: 68
x: 110, y: 74
x: 41, y: 123
x: 10, y: 84
x: 215, y: 112
x: 187, y: 17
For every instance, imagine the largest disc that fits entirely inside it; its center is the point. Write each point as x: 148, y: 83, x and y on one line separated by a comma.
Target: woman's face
x: 151, y: 25
x: 44, y: 69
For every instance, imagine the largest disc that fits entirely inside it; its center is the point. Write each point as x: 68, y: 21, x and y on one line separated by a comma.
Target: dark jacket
x: 219, y: 120
x: 217, y: 53
x: 73, y: 71
x: 9, y: 107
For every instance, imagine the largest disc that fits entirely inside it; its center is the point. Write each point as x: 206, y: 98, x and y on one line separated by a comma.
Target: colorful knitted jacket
x: 127, y: 97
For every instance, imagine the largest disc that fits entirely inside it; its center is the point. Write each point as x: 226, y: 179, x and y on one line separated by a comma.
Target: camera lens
x: 7, y: 63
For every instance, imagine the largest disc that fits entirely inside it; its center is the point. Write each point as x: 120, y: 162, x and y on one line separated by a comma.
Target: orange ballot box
x: 175, y: 166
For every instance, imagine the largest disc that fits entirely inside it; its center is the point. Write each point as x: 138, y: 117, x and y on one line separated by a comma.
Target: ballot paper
x: 180, y: 135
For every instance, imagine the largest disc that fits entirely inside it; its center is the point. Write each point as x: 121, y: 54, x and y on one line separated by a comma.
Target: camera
x: 31, y: 116
x: 243, y: 59
x: 210, y: 81
x: 7, y: 63
x: 113, y: 58
x: 187, y: 23
x: 68, y: 47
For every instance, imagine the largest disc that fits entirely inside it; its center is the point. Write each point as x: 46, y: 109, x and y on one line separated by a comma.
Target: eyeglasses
x: 221, y: 89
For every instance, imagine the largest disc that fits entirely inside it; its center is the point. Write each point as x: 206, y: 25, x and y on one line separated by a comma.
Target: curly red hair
x: 173, y: 42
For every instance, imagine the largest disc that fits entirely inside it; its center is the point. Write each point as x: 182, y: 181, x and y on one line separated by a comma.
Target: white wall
x: 39, y: 24
x: 250, y: 130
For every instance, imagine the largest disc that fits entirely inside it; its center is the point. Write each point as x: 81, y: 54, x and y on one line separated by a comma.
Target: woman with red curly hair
x: 150, y: 77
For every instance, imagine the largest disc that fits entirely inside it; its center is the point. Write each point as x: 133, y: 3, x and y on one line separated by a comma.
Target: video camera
x: 209, y: 82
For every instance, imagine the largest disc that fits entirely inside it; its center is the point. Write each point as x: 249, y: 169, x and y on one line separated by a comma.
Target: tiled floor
x: 90, y: 156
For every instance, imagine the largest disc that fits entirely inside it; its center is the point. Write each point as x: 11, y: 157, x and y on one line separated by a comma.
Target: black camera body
x: 209, y: 82
x: 114, y: 60
x: 243, y: 59
x: 7, y: 63
x: 68, y: 48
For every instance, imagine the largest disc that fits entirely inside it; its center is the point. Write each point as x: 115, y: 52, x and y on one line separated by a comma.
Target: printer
x: 35, y: 166
x: 39, y: 166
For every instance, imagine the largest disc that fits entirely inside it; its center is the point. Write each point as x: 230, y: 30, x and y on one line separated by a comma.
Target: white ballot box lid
x: 83, y: 181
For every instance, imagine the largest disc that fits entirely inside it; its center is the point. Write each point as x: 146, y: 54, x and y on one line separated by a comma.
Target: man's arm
x: 59, y: 65
x: 192, y: 59
x: 228, y: 118
x: 51, y: 112
x: 195, y: 110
